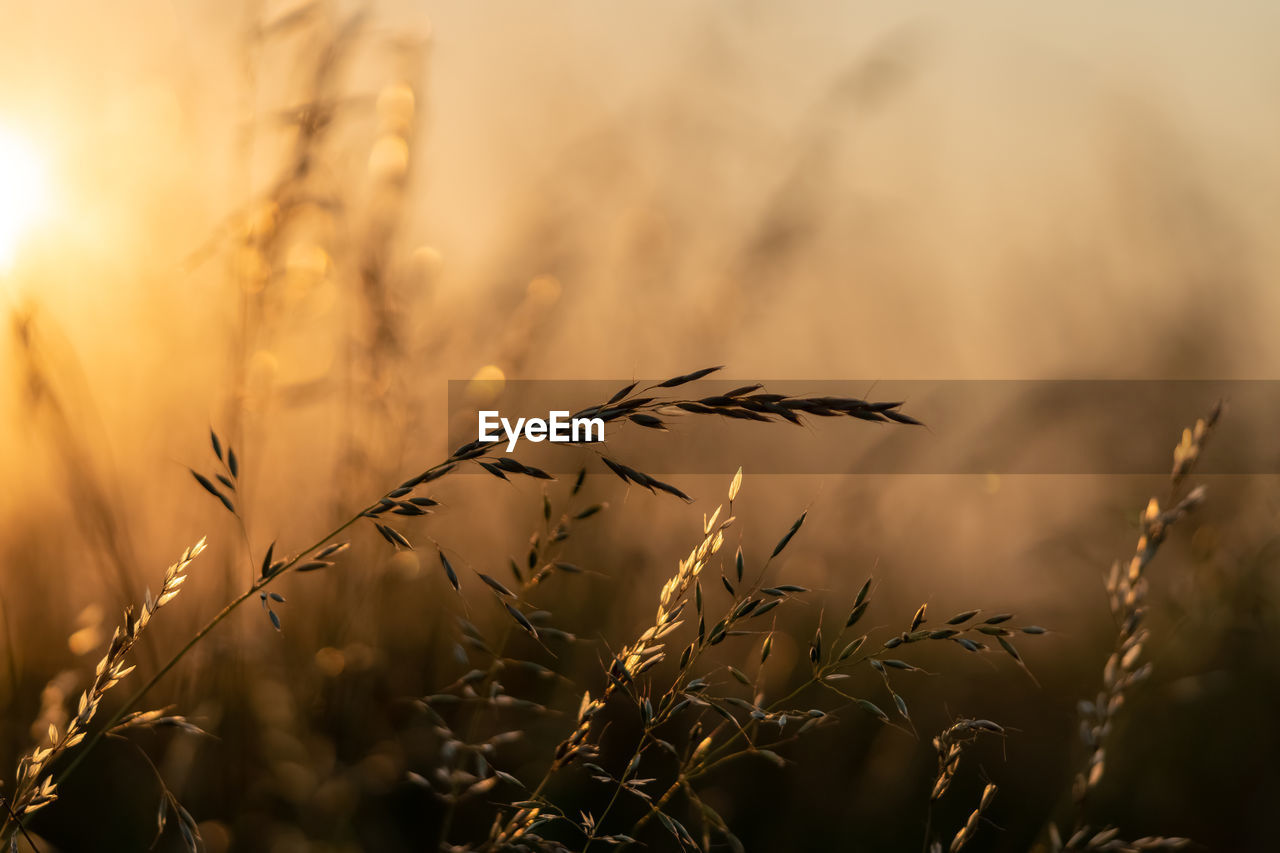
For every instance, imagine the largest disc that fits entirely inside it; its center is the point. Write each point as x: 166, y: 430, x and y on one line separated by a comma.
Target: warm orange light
x: 24, y: 192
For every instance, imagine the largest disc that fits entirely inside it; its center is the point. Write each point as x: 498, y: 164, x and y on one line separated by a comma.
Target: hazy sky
x: 945, y: 176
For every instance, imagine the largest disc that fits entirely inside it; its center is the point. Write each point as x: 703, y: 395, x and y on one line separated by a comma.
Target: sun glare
x: 24, y: 192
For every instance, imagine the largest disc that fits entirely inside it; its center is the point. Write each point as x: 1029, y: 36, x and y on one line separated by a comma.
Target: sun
x: 24, y: 192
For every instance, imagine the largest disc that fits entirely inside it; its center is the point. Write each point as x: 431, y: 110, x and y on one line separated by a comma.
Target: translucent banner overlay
x: 970, y: 427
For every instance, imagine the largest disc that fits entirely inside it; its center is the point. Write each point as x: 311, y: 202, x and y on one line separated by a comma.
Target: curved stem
x: 173, y: 661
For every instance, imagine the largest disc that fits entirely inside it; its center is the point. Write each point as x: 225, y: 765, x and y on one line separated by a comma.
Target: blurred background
x: 295, y: 222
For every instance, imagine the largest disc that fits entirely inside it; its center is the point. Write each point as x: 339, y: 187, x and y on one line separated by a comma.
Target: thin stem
x: 222, y: 614
x: 661, y: 801
x: 17, y: 821
x: 617, y: 792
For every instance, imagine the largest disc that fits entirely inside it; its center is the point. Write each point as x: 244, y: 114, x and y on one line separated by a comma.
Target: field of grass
x: 855, y: 567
